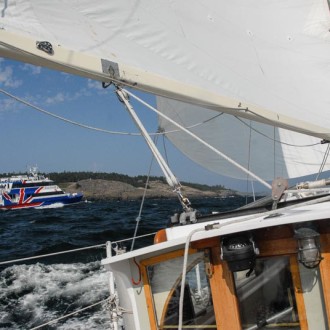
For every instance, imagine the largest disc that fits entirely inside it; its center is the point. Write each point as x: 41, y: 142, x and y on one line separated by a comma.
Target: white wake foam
x: 31, y: 295
x: 51, y: 206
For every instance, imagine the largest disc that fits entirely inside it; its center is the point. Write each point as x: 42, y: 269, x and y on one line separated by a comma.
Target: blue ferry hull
x: 36, y: 202
x: 32, y: 192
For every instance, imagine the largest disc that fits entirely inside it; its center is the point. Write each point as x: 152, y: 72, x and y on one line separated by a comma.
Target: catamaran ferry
x: 33, y: 191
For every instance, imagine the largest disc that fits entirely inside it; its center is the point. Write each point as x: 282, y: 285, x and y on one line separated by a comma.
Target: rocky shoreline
x: 106, y: 189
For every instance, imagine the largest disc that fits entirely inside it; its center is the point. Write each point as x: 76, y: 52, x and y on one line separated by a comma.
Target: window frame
x: 275, y: 241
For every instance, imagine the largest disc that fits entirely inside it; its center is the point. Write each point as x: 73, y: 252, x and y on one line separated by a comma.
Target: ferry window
x: 266, y: 297
x: 197, y: 307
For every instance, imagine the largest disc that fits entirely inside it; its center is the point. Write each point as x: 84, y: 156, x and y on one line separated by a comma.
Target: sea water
x: 37, y: 291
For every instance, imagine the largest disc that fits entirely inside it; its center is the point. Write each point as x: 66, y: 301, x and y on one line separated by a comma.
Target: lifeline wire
x: 51, y: 254
x: 70, y: 251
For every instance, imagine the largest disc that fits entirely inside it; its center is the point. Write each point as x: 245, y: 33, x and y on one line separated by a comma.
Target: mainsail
x: 262, y: 66
x: 264, y: 61
x: 269, y: 151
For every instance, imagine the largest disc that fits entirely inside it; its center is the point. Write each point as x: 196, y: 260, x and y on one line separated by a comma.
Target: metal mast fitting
x: 170, y: 177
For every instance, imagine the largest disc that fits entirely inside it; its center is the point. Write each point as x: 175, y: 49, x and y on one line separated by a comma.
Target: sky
x: 29, y: 137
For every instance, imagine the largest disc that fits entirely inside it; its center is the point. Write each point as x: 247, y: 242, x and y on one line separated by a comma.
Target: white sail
x: 270, y: 152
x: 266, y: 61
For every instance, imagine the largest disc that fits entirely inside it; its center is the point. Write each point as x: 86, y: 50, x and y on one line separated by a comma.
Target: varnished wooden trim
x: 225, y: 303
x: 275, y: 242
x: 168, y: 299
x: 170, y: 295
x: 165, y: 257
x: 294, y: 268
x: 277, y: 247
x: 149, y: 300
x: 325, y: 271
x: 146, y: 284
x: 160, y: 236
x: 206, y: 243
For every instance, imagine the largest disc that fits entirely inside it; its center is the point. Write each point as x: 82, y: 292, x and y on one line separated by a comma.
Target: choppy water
x: 35, y: 292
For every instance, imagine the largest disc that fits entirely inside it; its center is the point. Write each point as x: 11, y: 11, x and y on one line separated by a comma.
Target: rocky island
x: 110, y: 189
x: 101, y: 185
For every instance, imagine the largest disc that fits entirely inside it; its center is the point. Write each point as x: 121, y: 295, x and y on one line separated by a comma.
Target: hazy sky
x: 29, y: 137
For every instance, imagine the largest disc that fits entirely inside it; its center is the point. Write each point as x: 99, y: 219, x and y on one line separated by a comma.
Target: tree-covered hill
x: 135, y: 181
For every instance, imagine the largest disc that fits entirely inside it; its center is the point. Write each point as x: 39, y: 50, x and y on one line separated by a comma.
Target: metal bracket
x: 45, y: 46
x: 279, y: 185
x: 110, y: 68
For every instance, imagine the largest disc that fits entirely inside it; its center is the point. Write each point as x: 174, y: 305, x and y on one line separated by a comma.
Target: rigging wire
x: 73, y: 250
x: 63, y: 118
x: 267, y: 119
x: 138, y: 218
x: 165, y: 149
x: 273, y: 139
x: 274, y: 152
x: 20, y: 100
x: 325, y: 158
x: 249, y: 160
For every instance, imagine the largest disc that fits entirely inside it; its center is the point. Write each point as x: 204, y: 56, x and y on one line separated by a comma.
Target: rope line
x: 70, y: 314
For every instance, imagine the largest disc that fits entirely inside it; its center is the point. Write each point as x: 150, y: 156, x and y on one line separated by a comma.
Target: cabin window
x: 165, y: 282
x: 267, y: 297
